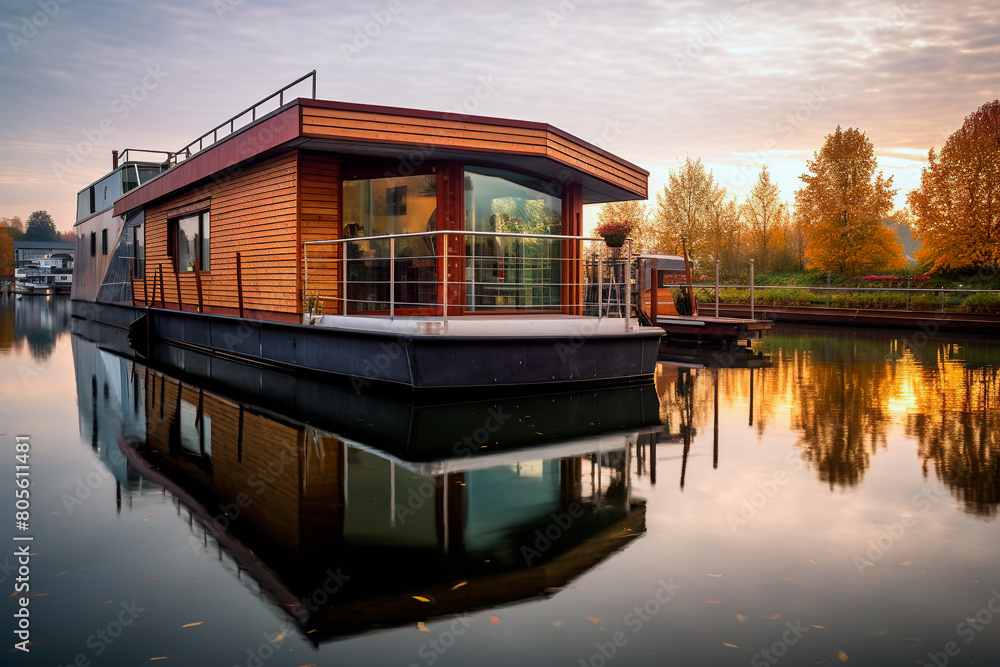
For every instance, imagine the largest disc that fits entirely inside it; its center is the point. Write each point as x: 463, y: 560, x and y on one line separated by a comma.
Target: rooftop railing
x: 446, y: 273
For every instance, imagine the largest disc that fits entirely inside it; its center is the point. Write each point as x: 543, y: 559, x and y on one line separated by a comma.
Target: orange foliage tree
x: 956, y: 209
x: 842, y: 206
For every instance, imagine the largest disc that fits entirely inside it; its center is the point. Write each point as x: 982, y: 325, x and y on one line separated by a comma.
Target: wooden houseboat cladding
x: 224, y: 229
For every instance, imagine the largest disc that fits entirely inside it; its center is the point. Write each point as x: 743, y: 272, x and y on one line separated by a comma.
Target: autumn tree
x: 725, y: 233
x: 633, y: 215
x: 40, y: 227
x: 683, y: 209
x: 764, y: 214
x: 13, y: 226
x: 6, y: 253
x: 843, y: 204
x: 956, y: 209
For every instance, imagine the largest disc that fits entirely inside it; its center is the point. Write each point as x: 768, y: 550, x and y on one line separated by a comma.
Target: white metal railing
x: 415, y: 274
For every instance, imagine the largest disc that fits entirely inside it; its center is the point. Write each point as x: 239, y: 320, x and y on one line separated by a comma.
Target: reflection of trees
x: 957, y: 427
x: 842, y: 391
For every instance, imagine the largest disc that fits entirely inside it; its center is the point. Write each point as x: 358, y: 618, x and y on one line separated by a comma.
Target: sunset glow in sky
x: 737, y: 83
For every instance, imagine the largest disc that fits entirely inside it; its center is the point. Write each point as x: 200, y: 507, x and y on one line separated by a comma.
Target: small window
x: 104, y: 242
x: 190, y: 242
x: 139, y: 243
x: 93, y: 244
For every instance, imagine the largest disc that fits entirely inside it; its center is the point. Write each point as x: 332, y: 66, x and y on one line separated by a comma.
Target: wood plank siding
x: 319, y: 220
x: 254, y: 212
x: 519, y: 138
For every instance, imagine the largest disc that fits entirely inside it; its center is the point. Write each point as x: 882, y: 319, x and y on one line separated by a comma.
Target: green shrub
x: 983, y: 303
x: 870, y: 300
x: 925, y: 301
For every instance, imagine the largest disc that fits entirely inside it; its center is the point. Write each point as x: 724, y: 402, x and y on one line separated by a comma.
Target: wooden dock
x: 701, y: 329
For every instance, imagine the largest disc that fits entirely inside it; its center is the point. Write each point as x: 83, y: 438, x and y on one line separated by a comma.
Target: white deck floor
x: 528, y: 325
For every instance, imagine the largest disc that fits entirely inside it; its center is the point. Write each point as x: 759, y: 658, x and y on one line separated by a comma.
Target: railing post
x: 829, y: 283
x: 942, y: 299
x: 627, y: 278
x: 600, y: 286
x: 392, y: 277
x: 445, y: 275
x: 197, y: 282
x: 716, y: 287
x: 751, y: 291
x: 343, y: 275
x: 239, y: 281
x: 305, y: 275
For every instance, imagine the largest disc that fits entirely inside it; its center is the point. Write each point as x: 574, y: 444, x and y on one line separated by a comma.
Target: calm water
x: 832, y: 498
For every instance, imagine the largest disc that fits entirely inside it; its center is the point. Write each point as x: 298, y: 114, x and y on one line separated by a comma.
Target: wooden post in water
x: 239, y: 281
x: 687, y: 271
x: 716, y: 287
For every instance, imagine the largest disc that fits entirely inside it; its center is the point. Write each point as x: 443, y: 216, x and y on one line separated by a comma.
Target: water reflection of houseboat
x: 495, y: 509
x: 404, y: 248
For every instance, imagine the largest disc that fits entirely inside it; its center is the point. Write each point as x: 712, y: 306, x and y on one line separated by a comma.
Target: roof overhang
x: 411, y: 137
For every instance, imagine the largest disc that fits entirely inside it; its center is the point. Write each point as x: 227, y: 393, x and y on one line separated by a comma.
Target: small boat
x: 34, y: 289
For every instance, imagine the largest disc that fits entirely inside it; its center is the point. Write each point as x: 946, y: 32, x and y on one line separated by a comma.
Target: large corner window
x: 504, y: 271
x: 381, y: 206
x: 190, y: 242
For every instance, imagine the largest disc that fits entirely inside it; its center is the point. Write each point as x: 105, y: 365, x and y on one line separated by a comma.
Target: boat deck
x: 498, y: 325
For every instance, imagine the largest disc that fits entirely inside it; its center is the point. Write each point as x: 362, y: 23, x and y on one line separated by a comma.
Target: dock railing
x: 916, y: 299
x: 445, y: 273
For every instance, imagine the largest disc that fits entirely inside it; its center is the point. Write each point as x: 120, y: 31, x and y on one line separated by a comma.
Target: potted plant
x: 614, y: 233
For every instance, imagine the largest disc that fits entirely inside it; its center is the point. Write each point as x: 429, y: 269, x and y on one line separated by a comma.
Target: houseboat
x: 390, y: 247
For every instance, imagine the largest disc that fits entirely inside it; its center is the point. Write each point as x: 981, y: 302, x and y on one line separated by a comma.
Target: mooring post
x: 751, y: 291
x: 716, y: 287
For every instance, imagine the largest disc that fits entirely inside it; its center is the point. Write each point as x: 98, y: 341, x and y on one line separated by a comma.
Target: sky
x: 736, y: 83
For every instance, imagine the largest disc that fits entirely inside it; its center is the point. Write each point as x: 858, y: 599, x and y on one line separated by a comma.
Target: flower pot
x: 615, y: 239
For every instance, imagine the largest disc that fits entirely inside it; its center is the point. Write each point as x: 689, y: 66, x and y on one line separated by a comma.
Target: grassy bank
x: 954, y: 301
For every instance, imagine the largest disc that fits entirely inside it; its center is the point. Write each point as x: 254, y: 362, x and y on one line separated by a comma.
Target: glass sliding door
x: 381, y: 206
x: 505, y: 272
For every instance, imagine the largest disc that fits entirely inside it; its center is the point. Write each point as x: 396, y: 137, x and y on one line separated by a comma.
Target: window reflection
x: 510, y: 272
x: 380, y: 206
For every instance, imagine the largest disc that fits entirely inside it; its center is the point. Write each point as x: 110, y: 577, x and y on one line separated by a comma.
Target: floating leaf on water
x: 558, y: 624
x: 421, y: 598
x: 459, y: 585
x: 977, y: 581
x: 62, y: 573
x: 790, y: 579
x: 971, y: 620
x: 494, y: 619
x: 730, y: 645
x: 905, y: 563
x: 280, y: 637
x: 191, y: 625
x: 842, y: 656
x: 813, y: 562
x: 422, y: 627
x: 741, y: 618
x: 714, y: 575
x: 711, y: 601
x: 773, y: 617
x: 911, y: 640
x: 879, y: 633
x: 867, y: 562
x: 594, y: 620
x: 818, y: 627
x: 152, y: 580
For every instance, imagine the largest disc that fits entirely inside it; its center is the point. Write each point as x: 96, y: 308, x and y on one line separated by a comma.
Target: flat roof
x: 40, y: 245
x: 411, y: 137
